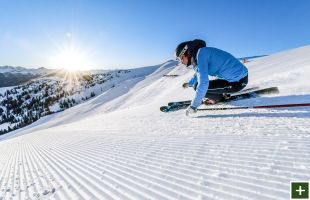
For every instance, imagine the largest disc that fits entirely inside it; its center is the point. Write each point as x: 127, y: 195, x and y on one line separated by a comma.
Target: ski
x: 244, y: 94
x: 179, y: 102
x: 269, y: 90
x: 173, y: 107
x: 250, y: 94
x: 256, y: 107
x: 188, y: 102
x: 170, y: 75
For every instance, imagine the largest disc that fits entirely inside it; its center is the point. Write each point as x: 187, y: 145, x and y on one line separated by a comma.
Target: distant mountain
x: 11, y: 79
x: 13, y: 76
x: 22, y: 70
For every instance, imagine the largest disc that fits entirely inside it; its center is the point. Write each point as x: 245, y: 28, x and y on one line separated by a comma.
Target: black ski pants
x: 218, y: 87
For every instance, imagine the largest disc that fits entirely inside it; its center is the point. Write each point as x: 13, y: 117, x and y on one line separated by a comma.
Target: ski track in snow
x: 123, y: 150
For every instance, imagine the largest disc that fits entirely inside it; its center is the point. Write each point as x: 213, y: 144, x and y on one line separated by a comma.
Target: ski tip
x: 271, y: 90
x: 164, y: 109
x: 276, y: 90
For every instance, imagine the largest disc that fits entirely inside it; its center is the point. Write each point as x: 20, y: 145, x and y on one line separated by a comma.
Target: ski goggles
x: 179, y: 58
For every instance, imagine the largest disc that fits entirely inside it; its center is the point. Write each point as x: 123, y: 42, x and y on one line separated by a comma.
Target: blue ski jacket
x: 214, y: 62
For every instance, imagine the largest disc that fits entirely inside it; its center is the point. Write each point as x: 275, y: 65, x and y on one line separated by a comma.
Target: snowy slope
x: 120, y: 146
x: 4, y: 89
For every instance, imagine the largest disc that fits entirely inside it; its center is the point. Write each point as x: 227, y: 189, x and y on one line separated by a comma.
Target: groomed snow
x: 120, y: 146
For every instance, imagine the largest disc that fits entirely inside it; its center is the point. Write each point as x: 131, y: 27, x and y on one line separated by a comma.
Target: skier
x: 232, y: 75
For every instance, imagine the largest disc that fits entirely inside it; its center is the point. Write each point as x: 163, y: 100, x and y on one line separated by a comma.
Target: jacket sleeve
x: 193, y: 81
x: 202, y: 78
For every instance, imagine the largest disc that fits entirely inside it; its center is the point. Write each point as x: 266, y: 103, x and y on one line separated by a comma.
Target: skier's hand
x: 190, y: 110
x: 185, y: 85
x: 208, y: 102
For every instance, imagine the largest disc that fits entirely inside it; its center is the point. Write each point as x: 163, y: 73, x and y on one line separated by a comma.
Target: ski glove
x: 190, y: 110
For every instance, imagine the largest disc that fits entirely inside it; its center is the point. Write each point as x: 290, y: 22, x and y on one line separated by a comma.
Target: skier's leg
x: 219, y: 87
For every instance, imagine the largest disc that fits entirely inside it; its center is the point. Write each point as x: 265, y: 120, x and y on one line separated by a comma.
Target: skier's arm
x: 202, y: 78
x: 193, y: 81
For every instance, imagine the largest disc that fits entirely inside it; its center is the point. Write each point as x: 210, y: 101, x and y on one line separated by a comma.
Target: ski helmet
x: 181, y: 49
x: 193, y: 47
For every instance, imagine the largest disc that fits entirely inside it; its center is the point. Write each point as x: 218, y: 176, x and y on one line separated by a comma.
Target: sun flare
x: 71, y: 59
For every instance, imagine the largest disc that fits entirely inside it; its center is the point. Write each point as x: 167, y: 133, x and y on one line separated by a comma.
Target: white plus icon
x: 300, y: 190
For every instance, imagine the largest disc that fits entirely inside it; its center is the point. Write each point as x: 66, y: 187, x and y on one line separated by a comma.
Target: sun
x: 71, y: 59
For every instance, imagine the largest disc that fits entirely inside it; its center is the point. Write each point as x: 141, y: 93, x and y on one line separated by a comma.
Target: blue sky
x: 134, y: 33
